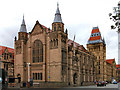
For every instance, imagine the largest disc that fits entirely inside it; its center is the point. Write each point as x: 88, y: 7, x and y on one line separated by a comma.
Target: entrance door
x: 75, y: 78
x: 19, y: 78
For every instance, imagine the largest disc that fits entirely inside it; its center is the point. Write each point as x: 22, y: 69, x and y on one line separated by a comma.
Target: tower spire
x: 57, y: 15
x: 23, y: 26
x: 103, y: 40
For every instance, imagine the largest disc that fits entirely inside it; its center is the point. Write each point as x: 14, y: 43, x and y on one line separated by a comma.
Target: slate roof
x: 95, y: 36
x: 57, y: 15
x: 81, y: 47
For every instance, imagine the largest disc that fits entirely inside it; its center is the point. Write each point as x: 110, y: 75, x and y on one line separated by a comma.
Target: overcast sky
x: 79, y: 17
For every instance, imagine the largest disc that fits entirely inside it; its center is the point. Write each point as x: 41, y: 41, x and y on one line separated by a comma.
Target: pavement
x: 93, y: 87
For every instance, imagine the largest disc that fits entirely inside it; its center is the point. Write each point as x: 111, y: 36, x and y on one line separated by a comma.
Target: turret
x: 57, y: 24
x: 22, y: 34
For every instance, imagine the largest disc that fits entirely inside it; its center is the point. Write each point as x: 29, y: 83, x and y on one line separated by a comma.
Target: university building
x: 96, y: 45
x: 111, y: 70
x: 49, y: 58
x: 105, y: 69
x: 7, y: 62
x: 118, y: 72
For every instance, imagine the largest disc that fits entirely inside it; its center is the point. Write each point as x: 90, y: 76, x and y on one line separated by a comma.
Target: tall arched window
x: 37, y: 51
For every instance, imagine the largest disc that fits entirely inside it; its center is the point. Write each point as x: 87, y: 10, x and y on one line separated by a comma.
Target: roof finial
x: 23, y: 26
x: 57, y: 5
x: 57, y: 15
x: 23, y: 15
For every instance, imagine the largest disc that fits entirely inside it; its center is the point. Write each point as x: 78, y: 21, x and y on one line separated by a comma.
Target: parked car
x: 101, y: 83
x: 114, y: 82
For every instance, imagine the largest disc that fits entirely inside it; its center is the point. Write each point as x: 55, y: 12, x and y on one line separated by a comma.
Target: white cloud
x: 79, y: 16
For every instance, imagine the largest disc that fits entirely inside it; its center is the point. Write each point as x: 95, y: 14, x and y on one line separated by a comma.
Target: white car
x: 0, y: 80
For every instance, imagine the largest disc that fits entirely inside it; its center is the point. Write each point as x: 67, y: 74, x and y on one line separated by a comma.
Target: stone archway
x: 75, y: 78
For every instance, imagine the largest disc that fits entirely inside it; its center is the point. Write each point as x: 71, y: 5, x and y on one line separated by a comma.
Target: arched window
x: 51, y: 44
x: 54, y: 42
x: 57, y: 42
x: 54, y: 28
x: 37, y: 51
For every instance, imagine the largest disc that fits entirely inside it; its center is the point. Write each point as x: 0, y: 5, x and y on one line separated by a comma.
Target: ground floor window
x: 37, y: 76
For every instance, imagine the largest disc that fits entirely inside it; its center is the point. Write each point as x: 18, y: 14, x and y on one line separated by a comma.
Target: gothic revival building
x: 81, y: 68
x: 7, y: 61
x: 111, y: 70
x: 118, y: 72
x: 96, y: 45
x: 46, y: 55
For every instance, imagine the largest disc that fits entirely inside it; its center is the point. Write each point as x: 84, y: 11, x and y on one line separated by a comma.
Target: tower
x: 97, y: 46
x: 58, y: 50
x: 20, y: 52
x: 22, y: 34
x: 57, y: 23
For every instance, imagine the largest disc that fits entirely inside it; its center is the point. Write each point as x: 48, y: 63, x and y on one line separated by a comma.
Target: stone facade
x: 81, y: 69
x: 7, y: 60
x: 97, y: 46
x: 47, y: 57
x: 118, y: 72
x: 111, y: 69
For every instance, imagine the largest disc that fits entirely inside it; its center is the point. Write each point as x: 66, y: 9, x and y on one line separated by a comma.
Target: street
x: 95, y: 86
x: 110, y: 86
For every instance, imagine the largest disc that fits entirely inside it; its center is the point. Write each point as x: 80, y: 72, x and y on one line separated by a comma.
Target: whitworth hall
x: 49, y: 58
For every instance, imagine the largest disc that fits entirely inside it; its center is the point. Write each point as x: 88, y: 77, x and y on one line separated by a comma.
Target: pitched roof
x: 42, y: 26
x: 110, y: 61
x: 95, y: 36
x: 3, y: 48
x: 81, y: 47
x: 118, y: 66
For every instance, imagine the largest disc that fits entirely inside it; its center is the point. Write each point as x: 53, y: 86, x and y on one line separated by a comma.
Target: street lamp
x: 116, y: 19
x: 28, y: 72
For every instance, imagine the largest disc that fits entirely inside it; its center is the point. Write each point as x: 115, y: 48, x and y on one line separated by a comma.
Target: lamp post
x: 28, y: 72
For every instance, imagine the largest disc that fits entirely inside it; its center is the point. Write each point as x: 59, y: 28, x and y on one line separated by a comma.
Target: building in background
x: 81, y: 68
x: 7, y: 62
x: 96, y: 45
x: 46, y: 56
x: 118, y: 72
x: 105, y: 69
x: 111, y: 70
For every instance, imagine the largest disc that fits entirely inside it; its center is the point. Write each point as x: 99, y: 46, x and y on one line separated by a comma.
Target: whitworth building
x: 96, y: 45
x: 49, y: 58
x: 105, y: 69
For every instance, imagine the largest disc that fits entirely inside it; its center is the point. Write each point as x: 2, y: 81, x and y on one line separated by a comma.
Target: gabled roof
x: 118, y: 67
x: 95, y: 36
x: 42, y: 26
x: 3, y: 48
x: 110, y: 61
x: 81, y: 47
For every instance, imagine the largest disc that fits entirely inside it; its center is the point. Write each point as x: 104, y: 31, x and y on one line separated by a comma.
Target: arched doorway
x: 19, y: 78
x: 75, y: 78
